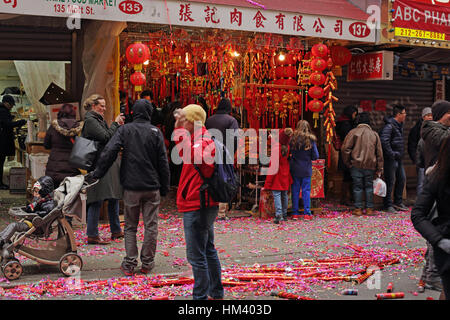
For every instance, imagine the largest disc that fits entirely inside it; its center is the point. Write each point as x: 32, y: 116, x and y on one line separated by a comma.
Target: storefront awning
x: 332, y: 8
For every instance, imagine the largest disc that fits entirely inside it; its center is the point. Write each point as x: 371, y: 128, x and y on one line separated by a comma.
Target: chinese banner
x: 421, y: 20
x: 371, y: 66
x: 185, y: 13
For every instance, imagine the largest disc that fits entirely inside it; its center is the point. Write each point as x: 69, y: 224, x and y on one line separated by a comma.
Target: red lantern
x: 340, y: 55
x: 138, y: 80
x: 330, y: 63
x: 319, y: 50
x: 315, y: 105
x: 315, y: 92
x: 317, y: 78
x: 318, y: 64
x: 137, y: 54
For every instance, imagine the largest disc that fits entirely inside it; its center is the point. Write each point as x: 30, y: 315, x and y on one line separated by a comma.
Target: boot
x: 357, y: 212
x: 369, y: 212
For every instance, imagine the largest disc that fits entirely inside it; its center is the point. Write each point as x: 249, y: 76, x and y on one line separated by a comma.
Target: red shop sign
x: 371, y: 66
x: 411, y: 18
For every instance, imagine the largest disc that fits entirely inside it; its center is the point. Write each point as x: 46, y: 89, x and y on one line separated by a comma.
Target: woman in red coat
x: 280, y: 182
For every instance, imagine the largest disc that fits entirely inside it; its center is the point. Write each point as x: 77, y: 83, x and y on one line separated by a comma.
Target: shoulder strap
x: 199, y: 172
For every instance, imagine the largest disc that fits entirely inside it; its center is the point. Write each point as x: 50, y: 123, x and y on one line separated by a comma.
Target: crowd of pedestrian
x: 140, y: 171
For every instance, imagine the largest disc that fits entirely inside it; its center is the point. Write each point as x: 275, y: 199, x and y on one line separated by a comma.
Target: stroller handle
x: 88, y: 185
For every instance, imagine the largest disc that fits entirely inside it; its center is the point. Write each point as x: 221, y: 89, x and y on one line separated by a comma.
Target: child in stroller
x: 41, y: 204
x: 44, y: 233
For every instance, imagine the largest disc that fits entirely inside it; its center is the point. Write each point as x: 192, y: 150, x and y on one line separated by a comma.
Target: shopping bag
x: 84, y: 153
x: 379, y: 187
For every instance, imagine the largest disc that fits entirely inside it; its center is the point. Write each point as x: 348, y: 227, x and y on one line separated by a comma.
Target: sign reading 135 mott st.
x: 194, y: 14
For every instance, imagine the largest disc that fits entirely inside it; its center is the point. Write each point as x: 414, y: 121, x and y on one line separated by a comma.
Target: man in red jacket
x: 196, y: 147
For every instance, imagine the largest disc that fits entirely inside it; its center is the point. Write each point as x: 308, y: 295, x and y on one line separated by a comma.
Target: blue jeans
x: 280, y: 198
x: 201, y: 253
x: 362, y: 183
x: 305, y: 185
x: 93, y: 214
x: 394, y: 173
x: 420, y: 179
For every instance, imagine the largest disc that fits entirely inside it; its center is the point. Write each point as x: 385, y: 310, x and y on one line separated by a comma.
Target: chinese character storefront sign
x: 200, y: 14
x: 371, y: 66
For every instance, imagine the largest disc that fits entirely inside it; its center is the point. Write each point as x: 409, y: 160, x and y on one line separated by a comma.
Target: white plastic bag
x: 379, y: 187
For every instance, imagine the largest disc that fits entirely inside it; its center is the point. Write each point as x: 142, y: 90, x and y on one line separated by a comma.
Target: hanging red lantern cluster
x: 319, y: 52
x: 137, y: 54
x: 286, y: 69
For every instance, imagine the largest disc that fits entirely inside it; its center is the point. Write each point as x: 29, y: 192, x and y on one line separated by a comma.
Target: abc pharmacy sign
x: 426, y: 19
x: 186, y: 13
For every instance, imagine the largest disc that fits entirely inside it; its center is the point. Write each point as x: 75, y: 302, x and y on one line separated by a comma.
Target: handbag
x: 84, y: 153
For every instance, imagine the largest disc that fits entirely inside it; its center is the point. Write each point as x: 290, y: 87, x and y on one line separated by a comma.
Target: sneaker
x: 296, y: 216
x: 117, y: 235
x: 97, y: 240
x: 145, y: 270
x: 401, y: 207
x: 436, y: 285
x: 277, y: 220
x: 390, y: 210
x: 126, y: 272
x: 308, y: 217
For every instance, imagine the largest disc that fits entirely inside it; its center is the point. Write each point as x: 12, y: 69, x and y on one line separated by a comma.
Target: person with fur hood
x: 59, y: 139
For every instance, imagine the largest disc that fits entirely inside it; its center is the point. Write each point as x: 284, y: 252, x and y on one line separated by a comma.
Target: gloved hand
x: 21, y: 123
x: 397, y: 156
x: 444, y: 244
x: 89, y: 178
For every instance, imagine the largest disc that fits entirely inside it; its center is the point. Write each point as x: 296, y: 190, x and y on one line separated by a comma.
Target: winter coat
x: 41, y: 205
x: 433, y: 135
x: 222, y: 121
x: 7, y: 125
x: 59, y: 139
x: 391, y: 136
x: 300, y: 161
x: 109, y: 187
x: 282, y: 180
x: 188, y: 194
x: 420, y: 157
x: 438, y: 228
x: 413, y: 140
x: 344, y: 125
x: 362, y: 149
x: 144, y: 165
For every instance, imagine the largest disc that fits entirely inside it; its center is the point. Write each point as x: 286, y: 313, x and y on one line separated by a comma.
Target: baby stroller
x: 51, y: 239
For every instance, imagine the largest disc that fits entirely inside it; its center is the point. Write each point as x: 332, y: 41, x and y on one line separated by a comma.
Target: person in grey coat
x: 109, y: 187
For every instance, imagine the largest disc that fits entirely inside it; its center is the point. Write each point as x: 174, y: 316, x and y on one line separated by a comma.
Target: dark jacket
x: 300, y: 161
x: 420, y: 157
x: 7, y: 125
x: 391, y: 136
x: 413, y: 140
x: 433, y: 135
x: 144, y: 164
x: 109, y: 187
x: 344, y: 125
x: 439, y: 228
x: 58, y: 139
x: 222, y: 121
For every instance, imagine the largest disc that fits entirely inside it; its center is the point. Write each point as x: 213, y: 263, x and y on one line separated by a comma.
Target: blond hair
x: 303, y: 136
x: 92, y: 101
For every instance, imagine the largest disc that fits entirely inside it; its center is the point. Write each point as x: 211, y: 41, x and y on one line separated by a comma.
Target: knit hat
x: 224, y: 106
x: 9, y: 99
x: 426, y: 111
x: 194, y: 112
x: 439, y: 108
x: 285, y: 136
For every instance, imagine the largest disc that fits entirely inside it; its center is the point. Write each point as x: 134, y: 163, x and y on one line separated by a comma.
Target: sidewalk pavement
x: 247, y: 241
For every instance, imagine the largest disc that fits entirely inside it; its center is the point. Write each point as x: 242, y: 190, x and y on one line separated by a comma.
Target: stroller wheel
x: 70, y: 264
x: 12, y: 270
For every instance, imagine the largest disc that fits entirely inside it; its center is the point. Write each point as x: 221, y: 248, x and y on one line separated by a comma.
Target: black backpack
x: 222, y: 186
